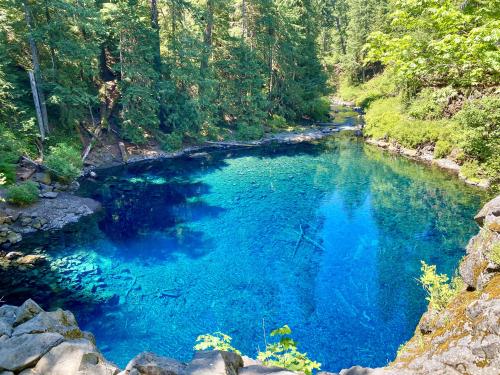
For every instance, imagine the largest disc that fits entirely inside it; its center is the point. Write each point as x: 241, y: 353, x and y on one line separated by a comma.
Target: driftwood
x: 123, y: 151
x: 93, y: 135
x: 299, y: 240
x: 130, y: 287
x: 229, y: 143
x: 38, y: 165
x: 302, y: 236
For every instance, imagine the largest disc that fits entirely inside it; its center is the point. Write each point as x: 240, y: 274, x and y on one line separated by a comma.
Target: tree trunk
x: 36, y: 70
x: 36, y: 100
x: 156, y: 28
x: 341, y: 36
x: 244, y: 21
x: 207, y: 36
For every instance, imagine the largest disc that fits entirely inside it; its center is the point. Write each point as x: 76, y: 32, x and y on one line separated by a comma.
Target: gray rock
x: 20, y: 352
x: 5, y: 327
x: 8, y: 312
x: 50, y: 194
x: 152, y: 364
x: 42, y: 177
x: 214, y: 362
x: 74, y: 358
x: 264, y: 370
x: 26, y: 311
x: 490, y: 208
x: 59, y: 321
x: 6, y: 373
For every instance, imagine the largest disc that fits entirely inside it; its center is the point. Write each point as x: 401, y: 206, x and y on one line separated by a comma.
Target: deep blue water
x: 208, y: 243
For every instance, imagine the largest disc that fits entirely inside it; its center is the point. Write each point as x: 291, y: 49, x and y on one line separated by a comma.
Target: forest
x: 178, y: 72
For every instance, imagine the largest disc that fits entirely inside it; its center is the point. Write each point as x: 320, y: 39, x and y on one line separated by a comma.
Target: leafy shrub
x: 277, y: 122
x: 284, y: 353
x: 133, y: 133
x: 384, y: 120
x: 246, y: 132
x: 442, y: 148
x: 171, y: 142
x: 64, y: 162
x: 381, y: 86
x: 480, y: 121
x: 318, y: 109
x: 472, y: 170
x: 23, y: 194
x: 430, y: 103
x: 215, y: 341
x: 439, y: 291
x: 8, y: 171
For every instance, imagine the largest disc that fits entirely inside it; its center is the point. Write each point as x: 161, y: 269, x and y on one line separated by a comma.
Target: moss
x: 494, y: 254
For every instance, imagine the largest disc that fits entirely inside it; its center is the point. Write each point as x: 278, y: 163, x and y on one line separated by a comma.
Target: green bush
x: 442, y: 148
x: 380, y: 86
x: 23, y: 194
x: 64, y: 162
x: 439, y: 291
x: 247, y: 132
x: 480, y: 122
x: 171, y: 142
x: 384, y: 120
x: 284, y: 354
x: 215, y: 341
x: 277, y: 122
x: 430, y: 103
x: 318, y: 109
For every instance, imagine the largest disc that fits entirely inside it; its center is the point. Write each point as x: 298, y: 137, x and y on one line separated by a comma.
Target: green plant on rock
x: 442, y: 149
x: 215, y: 341
x: 23, y: 194
x: 64, y: 161
x: 284, y: 353
x: 439, y: 291
x: 494, y: 255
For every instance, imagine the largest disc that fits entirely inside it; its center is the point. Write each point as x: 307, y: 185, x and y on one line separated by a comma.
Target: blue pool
x: 210, y: 243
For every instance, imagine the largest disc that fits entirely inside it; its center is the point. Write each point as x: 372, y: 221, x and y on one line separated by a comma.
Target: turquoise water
x: 210, y: 243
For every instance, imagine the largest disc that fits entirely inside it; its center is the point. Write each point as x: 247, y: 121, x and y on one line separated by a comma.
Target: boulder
x: 5, y: 327
x: 59, y: 321
x: 50, y: 194
x: 20, y: 352
x: 490, y: 208
x: 151, y: 364
x: 26, y: 311
x: 264, y: 370
x: 8, y: 313
x: 74, y: 358
x: 31, y: 260
x: 42, y: 177
x: 214, y: 362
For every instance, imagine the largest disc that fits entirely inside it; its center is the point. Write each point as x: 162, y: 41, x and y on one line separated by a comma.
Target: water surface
x: 210, y: 243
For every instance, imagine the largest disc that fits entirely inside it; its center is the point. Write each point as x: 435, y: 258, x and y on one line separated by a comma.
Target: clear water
x: 209, y: 243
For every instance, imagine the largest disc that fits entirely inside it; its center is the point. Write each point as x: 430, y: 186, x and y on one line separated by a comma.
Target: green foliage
x: 318, y: 109
x: 284, y: 353
x: 64, y: 161
x: 494, y: 254
x: 430, y: 103
x: 171, y: 142
x: 384, y: 120
x: 442, y: 148
x: 277, y: 123
x: 247, y: 132
x: 439, y: 291
x: 381, y: 86
x: 480, y: 122
x: 215, y: 341
x: 23, y: 194
x: 440, y: 42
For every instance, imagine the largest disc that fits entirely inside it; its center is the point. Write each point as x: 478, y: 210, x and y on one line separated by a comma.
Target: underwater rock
x: 214, y: 362
x: 151, y: 364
